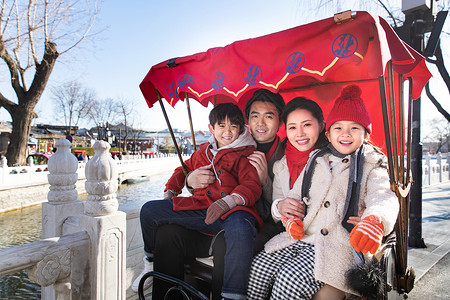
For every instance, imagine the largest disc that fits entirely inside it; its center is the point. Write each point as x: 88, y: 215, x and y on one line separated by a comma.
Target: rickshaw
x: 316, y: 60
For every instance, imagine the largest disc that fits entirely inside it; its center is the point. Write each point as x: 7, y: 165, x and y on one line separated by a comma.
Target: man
x: 175, y: 244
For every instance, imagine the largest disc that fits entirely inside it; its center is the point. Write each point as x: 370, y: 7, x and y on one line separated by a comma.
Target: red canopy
x: 314, y: 60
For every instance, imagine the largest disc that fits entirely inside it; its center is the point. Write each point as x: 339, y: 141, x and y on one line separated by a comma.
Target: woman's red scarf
x: 296, y: 161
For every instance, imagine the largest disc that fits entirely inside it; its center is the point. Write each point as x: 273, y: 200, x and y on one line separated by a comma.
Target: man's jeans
x: 239, y: 229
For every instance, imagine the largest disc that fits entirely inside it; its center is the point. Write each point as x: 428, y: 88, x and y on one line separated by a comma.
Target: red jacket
x: 234, y: 174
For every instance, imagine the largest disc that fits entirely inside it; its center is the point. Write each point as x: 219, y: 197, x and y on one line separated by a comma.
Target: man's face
x: 263, y: 121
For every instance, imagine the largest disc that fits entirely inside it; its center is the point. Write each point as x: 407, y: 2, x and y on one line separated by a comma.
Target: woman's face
x: 302, y: 129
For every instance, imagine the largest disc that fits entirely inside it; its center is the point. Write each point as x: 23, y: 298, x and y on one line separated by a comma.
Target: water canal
x: 24, y: 226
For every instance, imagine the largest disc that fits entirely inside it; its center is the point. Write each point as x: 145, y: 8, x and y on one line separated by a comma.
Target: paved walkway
x: 435, y: 229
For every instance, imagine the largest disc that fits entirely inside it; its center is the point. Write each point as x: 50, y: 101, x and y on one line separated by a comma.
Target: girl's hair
x: 314, y: 109
x: 227, y: 110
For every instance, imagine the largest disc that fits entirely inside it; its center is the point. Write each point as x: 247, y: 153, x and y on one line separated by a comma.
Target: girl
x: 340, y: 180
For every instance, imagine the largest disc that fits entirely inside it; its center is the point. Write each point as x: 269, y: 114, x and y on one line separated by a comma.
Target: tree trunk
x: 23, y: 113
x: 17, y: 148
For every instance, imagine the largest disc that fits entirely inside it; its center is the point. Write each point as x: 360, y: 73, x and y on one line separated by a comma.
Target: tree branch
x: 11, y: 64
x: 7, y: 104
x: 436, y: 103
x: 388, y: 12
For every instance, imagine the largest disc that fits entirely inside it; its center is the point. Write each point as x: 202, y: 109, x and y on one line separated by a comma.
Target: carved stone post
x: 63, y: 195
x: 62, y: 198
x: 105, y: 225
x: 439, y: 163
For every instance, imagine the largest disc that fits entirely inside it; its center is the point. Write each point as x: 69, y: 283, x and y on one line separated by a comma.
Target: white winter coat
x: 325, y: 211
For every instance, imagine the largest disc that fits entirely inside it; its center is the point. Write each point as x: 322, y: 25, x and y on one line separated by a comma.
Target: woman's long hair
x: 314, y: 109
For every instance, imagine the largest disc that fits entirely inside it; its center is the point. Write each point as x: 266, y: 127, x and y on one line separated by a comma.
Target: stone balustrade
x: 83, y: 251
x: 29, y: 175
x: 28, y: 185
x: 435, y: 170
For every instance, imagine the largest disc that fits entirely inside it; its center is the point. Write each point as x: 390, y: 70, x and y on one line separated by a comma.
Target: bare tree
x: 102, y: 113
x: 439, y: 134
x: 125, y: 108
x: 72, y: 101
x: 33, y: 34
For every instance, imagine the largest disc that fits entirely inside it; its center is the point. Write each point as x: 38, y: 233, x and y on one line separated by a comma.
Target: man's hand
x: 201, y: 177
x: 258, y: 160
x: 291, y: 208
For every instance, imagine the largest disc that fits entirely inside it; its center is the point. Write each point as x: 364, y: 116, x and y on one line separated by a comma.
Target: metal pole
x: 190, y: 122
x: 415, y: 213
x: 171, y: 133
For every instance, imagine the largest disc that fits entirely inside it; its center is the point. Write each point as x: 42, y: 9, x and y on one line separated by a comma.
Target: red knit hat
x: 350, y: 107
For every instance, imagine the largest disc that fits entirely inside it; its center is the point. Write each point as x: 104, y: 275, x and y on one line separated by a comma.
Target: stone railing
x: 435, y: 170
x: 29, y: 175
x: 28, y: 185
x: 83, y: 251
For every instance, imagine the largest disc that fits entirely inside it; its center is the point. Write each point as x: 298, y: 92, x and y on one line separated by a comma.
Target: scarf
x: 268, y: 148
x: 296, y: 161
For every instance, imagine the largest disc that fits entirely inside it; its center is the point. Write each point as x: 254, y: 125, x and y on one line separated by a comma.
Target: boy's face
x: 263, y: 121
x: 224, y: 132
x: 346, y: 136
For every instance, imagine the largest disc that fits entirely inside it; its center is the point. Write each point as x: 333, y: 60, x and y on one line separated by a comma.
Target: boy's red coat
x: 235, y: 173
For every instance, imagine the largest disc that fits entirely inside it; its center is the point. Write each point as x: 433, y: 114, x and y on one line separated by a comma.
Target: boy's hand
x: 367, y: 235
x: 294, y: 227
x: 169, y: 194
x: 201, y: 177
x: 219, y: 208
x: 258, y: 160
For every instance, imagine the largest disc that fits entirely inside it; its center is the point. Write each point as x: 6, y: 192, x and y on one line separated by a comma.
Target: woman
x: 305, y: 130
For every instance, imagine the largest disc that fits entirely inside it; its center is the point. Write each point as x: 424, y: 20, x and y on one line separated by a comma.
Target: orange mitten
x: 294, y: 227
x: 367, y: 235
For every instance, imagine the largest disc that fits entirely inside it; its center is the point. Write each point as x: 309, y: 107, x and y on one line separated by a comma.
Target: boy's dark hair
x: 221, y: 111
x: 314, y: 109
x: 264, y: 95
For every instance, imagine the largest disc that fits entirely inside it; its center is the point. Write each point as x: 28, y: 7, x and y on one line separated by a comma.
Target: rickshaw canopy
x: 315, y: 60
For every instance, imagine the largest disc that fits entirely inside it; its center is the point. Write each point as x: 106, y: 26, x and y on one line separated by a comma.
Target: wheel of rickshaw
x: 389, y: 265
x: 185, y: 290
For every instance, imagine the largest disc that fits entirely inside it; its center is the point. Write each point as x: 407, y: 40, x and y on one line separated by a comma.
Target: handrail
x: 25, y: 256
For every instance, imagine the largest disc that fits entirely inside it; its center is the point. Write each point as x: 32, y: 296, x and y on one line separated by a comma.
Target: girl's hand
x: 291, y: 208
x: 354, y: 220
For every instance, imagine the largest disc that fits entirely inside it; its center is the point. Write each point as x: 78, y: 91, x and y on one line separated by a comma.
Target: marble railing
x: 127, y: 167
x: 435, y: 170
x: 83, y: 251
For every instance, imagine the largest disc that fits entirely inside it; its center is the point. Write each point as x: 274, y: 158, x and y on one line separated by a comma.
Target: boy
x: 228, y: 203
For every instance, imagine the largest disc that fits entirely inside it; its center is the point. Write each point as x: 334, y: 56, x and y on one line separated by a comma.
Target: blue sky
x: 141, y: 33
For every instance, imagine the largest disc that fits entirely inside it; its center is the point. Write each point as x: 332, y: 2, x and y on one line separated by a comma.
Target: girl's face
x: 302, y: 129
x: 346, y: 136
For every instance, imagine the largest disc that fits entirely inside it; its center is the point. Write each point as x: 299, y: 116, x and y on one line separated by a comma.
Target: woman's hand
x: 291, y: 208
x: 258, y: 160
x: 201, y: 177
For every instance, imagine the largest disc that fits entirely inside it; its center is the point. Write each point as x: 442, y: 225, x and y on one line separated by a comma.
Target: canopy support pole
x: 393, y: 119
x: 171, y: 133
x: 387, y: 133
x: 191, y: 125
